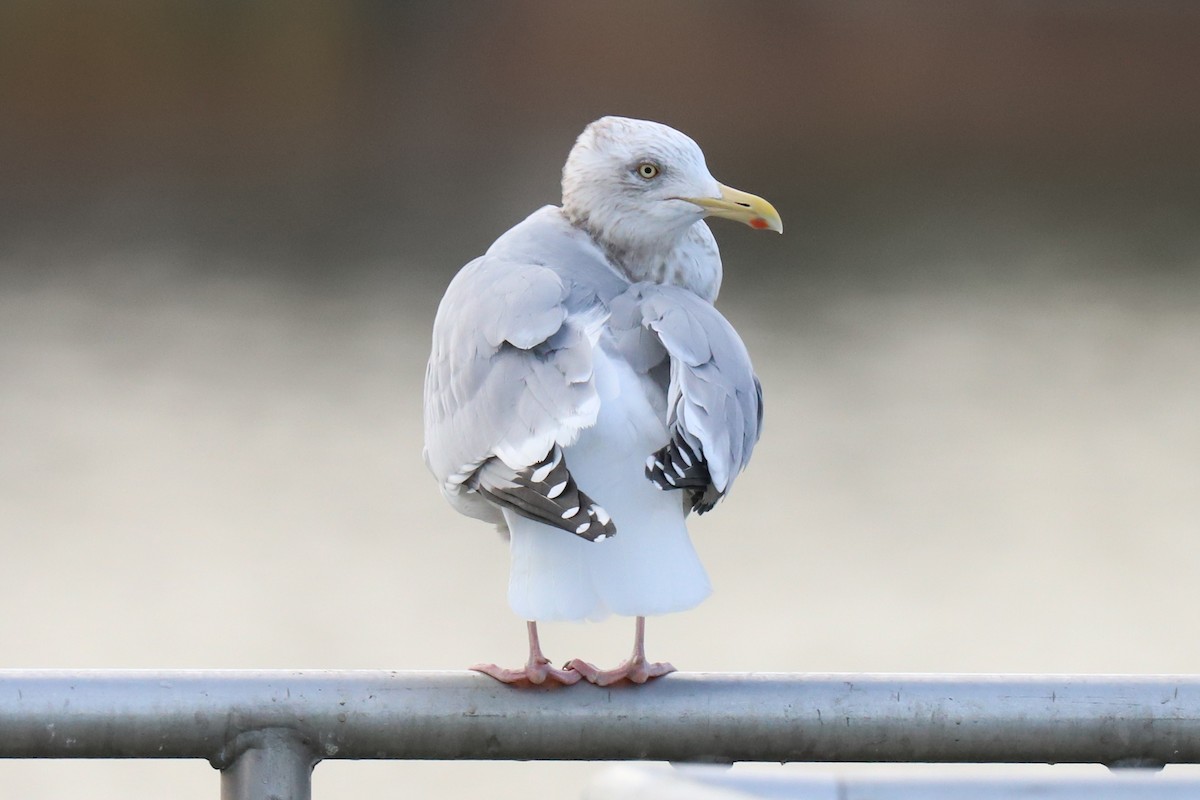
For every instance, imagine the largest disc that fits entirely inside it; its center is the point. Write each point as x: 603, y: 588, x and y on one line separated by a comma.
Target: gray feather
x: 510, y: 377
x: 714, y: 400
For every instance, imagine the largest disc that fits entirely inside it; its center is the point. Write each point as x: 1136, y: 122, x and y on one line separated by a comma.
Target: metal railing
x: 265, y: 730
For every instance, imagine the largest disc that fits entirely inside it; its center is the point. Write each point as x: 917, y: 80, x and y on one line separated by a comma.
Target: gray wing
x: 713, y: 399
x: 509, y: 382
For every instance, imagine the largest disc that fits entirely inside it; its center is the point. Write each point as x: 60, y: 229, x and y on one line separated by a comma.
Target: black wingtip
x: 545, y: 492
x: 599, y: 525
x: 678, y: 466
x: 705, y: 501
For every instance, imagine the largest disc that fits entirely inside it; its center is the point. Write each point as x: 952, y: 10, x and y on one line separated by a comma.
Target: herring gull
x: 584, y: 395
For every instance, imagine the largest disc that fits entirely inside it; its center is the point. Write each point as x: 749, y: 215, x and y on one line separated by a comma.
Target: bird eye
x: 647, y: 170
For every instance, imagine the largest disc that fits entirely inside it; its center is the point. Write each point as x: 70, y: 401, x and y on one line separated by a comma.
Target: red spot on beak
x: 760, y: 223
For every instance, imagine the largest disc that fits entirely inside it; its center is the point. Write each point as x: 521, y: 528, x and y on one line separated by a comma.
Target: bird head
x: 632, y: 181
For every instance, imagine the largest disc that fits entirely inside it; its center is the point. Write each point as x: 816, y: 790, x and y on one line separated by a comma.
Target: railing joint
x: 264, y: 738
x: 268, y: 764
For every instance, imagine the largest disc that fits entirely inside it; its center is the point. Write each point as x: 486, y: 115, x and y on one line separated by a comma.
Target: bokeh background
x: 224, y: 229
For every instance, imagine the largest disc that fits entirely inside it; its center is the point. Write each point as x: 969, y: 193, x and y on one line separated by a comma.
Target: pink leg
x: 537, y: 669
x: 635, y: 668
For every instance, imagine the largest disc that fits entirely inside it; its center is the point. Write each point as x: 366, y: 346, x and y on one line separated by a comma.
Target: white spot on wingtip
x: 556, y: 490
x: 650, y: 462
x: 678, y: 469
x: 541, y: 473
x: 670, y: 480
x: 570, y: 512
x: 601, y: 515
x: 683, y: 453
x: 600, y: 538
x: 583, y: 527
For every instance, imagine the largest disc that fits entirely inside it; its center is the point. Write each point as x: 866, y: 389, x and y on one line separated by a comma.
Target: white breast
x: 650, y: 566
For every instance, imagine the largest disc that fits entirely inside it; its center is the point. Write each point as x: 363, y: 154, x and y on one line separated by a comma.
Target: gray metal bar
x: 273, y: 764
x: 683, y: 717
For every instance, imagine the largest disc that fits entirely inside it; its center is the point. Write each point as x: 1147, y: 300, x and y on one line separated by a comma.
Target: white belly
x: 650, y: 566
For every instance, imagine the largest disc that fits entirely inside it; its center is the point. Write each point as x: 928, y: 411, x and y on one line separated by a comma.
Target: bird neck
x: 689, y: 260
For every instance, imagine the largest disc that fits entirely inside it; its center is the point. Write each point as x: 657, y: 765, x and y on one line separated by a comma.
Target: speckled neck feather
x: 691, y: 260
x: 647, y: 230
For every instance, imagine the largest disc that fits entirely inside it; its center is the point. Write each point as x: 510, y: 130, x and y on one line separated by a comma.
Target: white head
x: 638, y: 186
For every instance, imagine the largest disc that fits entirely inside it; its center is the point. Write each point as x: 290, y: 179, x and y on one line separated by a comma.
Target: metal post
x: 274, y: 764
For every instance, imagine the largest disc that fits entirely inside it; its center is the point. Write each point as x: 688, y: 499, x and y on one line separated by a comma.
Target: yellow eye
x: 647, y: 170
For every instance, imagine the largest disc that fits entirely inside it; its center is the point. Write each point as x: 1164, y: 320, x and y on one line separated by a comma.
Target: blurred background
x: 225, y: 227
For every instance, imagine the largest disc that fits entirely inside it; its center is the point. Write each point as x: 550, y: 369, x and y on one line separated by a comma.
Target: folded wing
x: 509, y: 383
x: 713, y: 398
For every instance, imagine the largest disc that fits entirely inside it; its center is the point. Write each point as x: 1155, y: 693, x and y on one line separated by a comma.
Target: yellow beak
x: 742, y: 207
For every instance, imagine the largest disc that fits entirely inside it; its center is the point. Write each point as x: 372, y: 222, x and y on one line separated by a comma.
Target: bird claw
x: 636, y: 670
x: 536, y: 672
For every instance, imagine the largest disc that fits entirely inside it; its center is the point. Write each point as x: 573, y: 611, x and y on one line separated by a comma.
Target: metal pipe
x: 273, y: 764
x: 1132, y: 720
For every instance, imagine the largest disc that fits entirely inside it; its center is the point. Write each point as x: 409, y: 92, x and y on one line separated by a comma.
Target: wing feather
x: 509, y: 382
x: 714, y: 400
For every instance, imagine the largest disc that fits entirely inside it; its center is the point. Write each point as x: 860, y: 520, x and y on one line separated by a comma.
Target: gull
x: 584, y: 395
